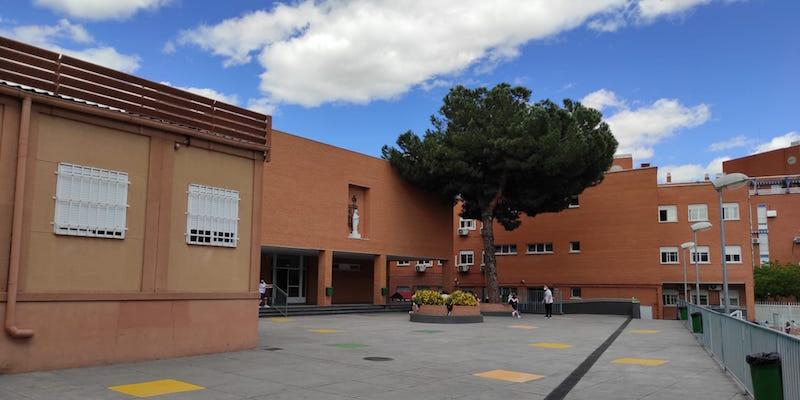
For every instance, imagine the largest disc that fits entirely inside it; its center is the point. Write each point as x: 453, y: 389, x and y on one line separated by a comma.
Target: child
x: 514, y: 301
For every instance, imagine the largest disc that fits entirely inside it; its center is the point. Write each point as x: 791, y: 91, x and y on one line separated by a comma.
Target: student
x: 548, y: 303
x: 514, y: 301
x: 262, y: 293
x: 788, y: 328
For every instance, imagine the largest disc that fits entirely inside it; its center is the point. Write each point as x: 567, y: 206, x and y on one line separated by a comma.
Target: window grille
x: 90, y: 202
x: 212, y: 218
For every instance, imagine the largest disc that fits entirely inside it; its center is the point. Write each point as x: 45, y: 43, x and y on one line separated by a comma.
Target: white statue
x: 354, y: 234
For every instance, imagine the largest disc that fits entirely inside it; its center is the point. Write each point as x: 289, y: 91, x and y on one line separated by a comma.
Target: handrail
x: 275, y: 291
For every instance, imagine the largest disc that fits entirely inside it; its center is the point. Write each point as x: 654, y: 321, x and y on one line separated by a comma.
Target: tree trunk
x: 490, y: 270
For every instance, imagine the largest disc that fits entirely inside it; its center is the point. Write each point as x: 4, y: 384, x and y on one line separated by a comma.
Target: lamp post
x: 685, y: 246
x: 727, y: 181
x: 696, y: 227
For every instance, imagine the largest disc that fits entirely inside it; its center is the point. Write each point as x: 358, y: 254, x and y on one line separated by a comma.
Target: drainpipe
x: 16, y: 231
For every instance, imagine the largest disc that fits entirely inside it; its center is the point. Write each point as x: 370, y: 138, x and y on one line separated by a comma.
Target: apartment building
x: 774, y: 202
x: 620, y: 239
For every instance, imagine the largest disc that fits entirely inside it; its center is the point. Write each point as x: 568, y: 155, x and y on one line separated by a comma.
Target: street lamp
x: 697, y: 227
x: 727, y: 181
x: 685, y: 246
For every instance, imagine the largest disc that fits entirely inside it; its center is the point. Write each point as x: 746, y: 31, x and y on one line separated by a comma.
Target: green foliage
x: 777, y: 281
x: 429, y: 297
x: 459, y: 298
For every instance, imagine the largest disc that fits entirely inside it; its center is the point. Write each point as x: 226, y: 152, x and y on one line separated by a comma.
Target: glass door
x: 289, y: 273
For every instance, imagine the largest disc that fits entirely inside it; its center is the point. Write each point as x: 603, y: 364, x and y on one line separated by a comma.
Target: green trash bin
x: 697, y: 322
x: 683, y: 313
x: 765, y: 369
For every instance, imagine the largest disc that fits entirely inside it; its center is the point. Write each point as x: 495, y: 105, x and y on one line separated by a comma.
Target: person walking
x: 262, y: 293
x: 514, y: 301
x: 548, y: 303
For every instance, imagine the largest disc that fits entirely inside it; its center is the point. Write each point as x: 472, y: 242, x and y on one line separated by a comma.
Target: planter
x: 465, y: 310
x: 427, y: 309
x: 496, y: 309
x: 438, y: 315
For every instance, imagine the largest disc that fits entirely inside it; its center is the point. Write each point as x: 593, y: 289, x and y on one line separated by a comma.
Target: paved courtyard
x: 323, y: 357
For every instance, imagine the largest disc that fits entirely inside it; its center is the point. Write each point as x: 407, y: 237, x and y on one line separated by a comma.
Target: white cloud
x: 732, y: 143
x: 638, y: 130
x: 778, y: 142
x: 100, y: 9
x: 642, y: 12
x: 692, y: 172
x: 48, y: 36
x: 602, y: 99
x: 359, y: 50
x: 651, y: 9
x: 262, y: 105
x: 207, y: 92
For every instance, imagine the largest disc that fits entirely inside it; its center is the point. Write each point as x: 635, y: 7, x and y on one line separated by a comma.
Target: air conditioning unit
x: 797, y: 239
x: 714, y: 287
x: 755, y: 240
x: 463, y: 268
x: 463, y: 231
x: 420, y: 268
x: 772, y: 213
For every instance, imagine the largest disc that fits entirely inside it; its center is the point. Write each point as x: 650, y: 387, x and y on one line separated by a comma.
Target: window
x: 505, y: 249
x: 425, y: 263
x: 698, y: 212
x: 466, y: 223
x: 483, y: 258
x: 403, y: 263
x: 730, y: 211
x: 575, y: 293
x: 212, y: 218
x: 439, y: 262
x: 702, y: 253
x: 466, y: 258
x: 667, y: 213
x: 703, y: 297
x: 670, y: 297
x: 734, y: 297
x: 574, y: 247
x: 90, y: 202
x: 540, y: 248
x: 669, y: 255
x: 733, y: 254
x: 574, y: 201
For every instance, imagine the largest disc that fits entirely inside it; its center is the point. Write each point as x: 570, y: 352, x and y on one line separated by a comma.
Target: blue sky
x: 684, y: 84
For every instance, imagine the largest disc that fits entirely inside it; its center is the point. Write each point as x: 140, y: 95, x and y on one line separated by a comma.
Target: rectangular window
x: 483, y: 258
x: 466, y: 257
x: 574, y: 202
x: 730, y: 211
x: 90, y: 202
x: 703, y: 253
x: 439, y: 262
x: 574, y: 247
x: 505, y: 249
x: 734, y: 297
x: 403, y: 263
x: 703, y: 298
x: 425, y: 263
x: 575, y: 293
x: 212, y: 217
x: 540, y: 248
x: 670, y: 298
x: 669, y: 255
x: 733, y: 254
x: 698, y: 212
x: 667, y: 213
x: 466, y: 223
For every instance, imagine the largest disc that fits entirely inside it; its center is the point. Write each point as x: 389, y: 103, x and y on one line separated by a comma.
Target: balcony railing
x: 70, y: 78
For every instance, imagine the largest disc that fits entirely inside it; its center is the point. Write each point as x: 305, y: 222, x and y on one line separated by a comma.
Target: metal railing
x: 534, y: 303
x: 728, y: 340
x: 279, y: 301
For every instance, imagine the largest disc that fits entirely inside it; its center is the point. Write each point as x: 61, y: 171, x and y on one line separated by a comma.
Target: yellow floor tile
x: 650, y: 362
x: 509, y: 376
x: 644, y: 331
x: 156, y: 388
x: 324, y: 330
x: 279, y: 319
x: 523, y: 326
x: 546, y: 345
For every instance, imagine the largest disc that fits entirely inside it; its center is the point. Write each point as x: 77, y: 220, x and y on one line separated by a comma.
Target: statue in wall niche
x: 353, y: 219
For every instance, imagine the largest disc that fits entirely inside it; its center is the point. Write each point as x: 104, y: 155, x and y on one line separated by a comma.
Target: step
x: 335, y: 309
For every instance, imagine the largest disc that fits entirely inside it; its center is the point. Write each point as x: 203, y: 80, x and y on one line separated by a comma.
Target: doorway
x: 289, y: 274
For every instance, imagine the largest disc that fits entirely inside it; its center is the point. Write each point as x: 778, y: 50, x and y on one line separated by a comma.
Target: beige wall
x: 208, y: 268
x: 79, y: 263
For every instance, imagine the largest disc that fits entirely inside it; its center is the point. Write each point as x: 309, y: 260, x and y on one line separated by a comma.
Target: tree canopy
x: 775, y: 281
x: 502, y: 156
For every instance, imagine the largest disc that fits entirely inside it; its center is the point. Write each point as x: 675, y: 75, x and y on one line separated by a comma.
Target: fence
x: 777, y: 313
x: 730, y: 339
x: 534, y: 302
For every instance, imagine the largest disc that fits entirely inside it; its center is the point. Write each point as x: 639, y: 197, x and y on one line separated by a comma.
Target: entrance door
x: 289, y: 275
